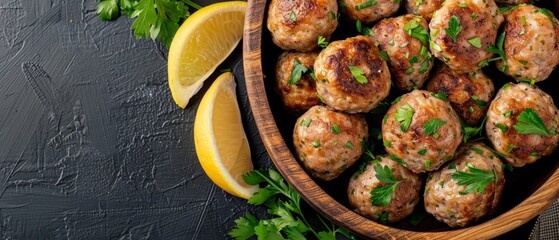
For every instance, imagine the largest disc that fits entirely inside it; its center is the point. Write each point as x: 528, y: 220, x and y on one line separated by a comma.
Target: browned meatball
x: 297, y: 24
x: 454, y: 203
x: 404, y: 197
x: 515, y: 108
x: 422, y: 131
x: 425, y: 8
x: 297, y: 94
x: 368, y: 11
x: 328, y: 142
x: 409, y: 58
x: 531, y: 43
x: 511, y: 2
x: 468, y: 93
x: 462, y: 30
x: 351, y: 76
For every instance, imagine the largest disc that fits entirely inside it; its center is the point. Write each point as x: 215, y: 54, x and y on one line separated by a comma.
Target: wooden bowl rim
x: 294, y: 174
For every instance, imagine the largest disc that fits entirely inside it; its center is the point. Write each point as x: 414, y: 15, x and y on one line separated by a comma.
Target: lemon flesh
x: 220, y: 140
x: 201, y: 43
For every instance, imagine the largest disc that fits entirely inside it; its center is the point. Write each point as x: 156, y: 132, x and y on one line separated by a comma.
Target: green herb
x: 477, y: 150
x: 503, y: 127
x: 332, y: 15
x: 358, y: 74
x: 343, y: 167
x: 452, y: 166
x: 432, y: 126
x: 297, y: 72
x: 423, y: 51
x: 440, y: 95
x: 422, y: 152
x: 382, y: 195
x: 463, y: 5
x: 474, y: 16
x: 476, y: 42
x: 534, y: 154
x: 382, y: 217
x: 155, y: 19
x: 523, y: 62
x: 292, y: 16
x: 441, y: 183
x: 548, y: 14
x: 428, y: 163
x: 322, y: 42
x: 434, y: 46
x: 381, y: 108
x: 507, y: 167
x: 417, y: 217
x: 510, y: 148
x: 508, y: 8
x: 382, y: 54
x: 364, y: 29
x: 398, y: 160
x: 336, y: 129
x: 454, y: 27
x: 475, y: 179
x: 411, y: 25
x: 523, y: 20
x: 409, y: 71
x: 366, y: 4
x: 386, y: 143
x: 530, y: 122
x: 284, y: 203
x: 507, y: 113
x: 479, y: 102
x: 424, y: 66
x: 469, y: 132
x: 470, y: 109
x: 404, y: 114
x: 306, y: 122
x: 316, y: 144
x: 496, y: 50
x: 349, y: 145
x: 413, y: 60
x: 414, y: 29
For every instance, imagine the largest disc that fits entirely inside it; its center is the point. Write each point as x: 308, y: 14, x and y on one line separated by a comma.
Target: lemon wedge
x: 201, y: 43
x: 220, y: 140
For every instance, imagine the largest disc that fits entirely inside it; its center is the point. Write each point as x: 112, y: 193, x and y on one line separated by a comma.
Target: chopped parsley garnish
x: 496, y: 50
x: 424, y: 66
x: 364, y: 29
x: 510, y: 148
x: 479, y: 102
x: 454, y: 27
x: 316, y: 144
x: 476, y: 42
x: 508, y: 8
x: 386, y: 143
x: 440, y: 95
x: 382, y: 54
x: 475, y: 179
x: 382, y: 195
x: 306, y: 122
x: 404, y: 114
x: 422, y: 152
x: 414, y: 29
x: 382, y: 217
x: 469, y: 132
x: 349, y: 145
x: 358, y: 74
x: 474, y: 16
x: 523, y: 62
x: 477, y: 150
x: 507, y: 113
x: 463, y: 5
x: 432, y: 126
x: 428, y: 163
x: 322, y: 42
x: 503, y: 127
x: 336, y: 129
x: 530, y: 122
x: 366, y: 4
x: 297, y: 72
x: 398, y: 160
x: 292, y: 16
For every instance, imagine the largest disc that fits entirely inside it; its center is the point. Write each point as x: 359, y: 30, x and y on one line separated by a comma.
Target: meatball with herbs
x: 422, y: 7
x: 367, y: 188
x: 468, y: 188
x: 531, y: 43
x: 351, y: 76
x: 462, y: 31
x: 422, y: 131
x: 298, y: 24
x: 294, y: 83
x: 328, y: 142
x: 522, y: 124
x: 405, y: 39
x: 512, y: 2
x: 368, y: 11
x: 468, y: 93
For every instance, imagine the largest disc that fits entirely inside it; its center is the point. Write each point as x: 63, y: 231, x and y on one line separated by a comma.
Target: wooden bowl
x: 528, y: 191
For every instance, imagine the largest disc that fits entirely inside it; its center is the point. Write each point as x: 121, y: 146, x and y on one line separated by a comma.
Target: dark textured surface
x: 91, y: 144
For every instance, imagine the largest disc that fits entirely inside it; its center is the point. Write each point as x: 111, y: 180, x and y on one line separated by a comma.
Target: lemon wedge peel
x: 201, y: 44
x: 220, y: 140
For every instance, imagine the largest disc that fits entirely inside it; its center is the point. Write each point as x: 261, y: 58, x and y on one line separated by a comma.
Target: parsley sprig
x: 297, y: 72
x: 475, y: 179
x: 414, y: 29
x: 454, y: 27
x: 382, y: 195
x: 155, y: 19
x: 404, y: 114
x: 499, y: 50
x: 470, y: 132
x: 431, y: 126
x: 530, y: 122
x: 284, y: 203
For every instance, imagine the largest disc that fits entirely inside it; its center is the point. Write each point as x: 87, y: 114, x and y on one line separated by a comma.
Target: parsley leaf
x: 414, y: 29
x: 297, y: 72
x: 364, y: 29
x: 472, y: 131
x: 382, y: 54
x: 499, y: 50
x: 322, y: 42
x: 107, y: 10
x: 479, y: 102
x: 382, y: 195
x: 284, y: 204
x: 454, y: 27
x: 368, y: 3
x: 358, y: 74
x: 432, y: 126
x: 476, y: 42
x: 404, y: 114
x: 530, y: 122
x: 475, y: 179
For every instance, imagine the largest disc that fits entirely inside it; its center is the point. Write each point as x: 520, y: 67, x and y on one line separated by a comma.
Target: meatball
x: 409, y: 59
x: 512, y: 2
x: 531, y: 43
x: 297, y: 94
x: 351, y: 76
x: 423, y: 8
x: 515, y: 108
x: 297, y: 24
x: 461, y: 32
x: 459, y: 205
x: 328, y: 142
x: 468, y: 93
x: 422, y: 131
x: 368, y: 11
x: 404, y: 197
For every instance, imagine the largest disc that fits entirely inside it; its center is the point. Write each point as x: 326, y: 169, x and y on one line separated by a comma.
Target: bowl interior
x: 521, y: 183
